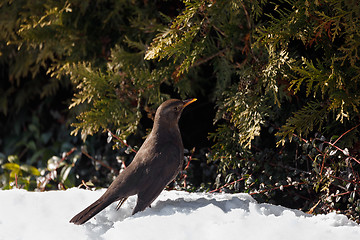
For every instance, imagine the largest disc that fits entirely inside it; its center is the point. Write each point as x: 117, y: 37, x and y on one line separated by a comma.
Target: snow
x: 173, y: 215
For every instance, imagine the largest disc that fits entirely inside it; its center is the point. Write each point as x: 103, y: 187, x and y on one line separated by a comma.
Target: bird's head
x: 170, y: 110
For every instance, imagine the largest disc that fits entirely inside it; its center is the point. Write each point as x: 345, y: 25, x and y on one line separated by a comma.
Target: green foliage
x: 44, y: 37
x: 23, y: 50
x: 293, y: 75
x: 27, y: 177
x: 113, y: 98
x: 331, y: 77
x: 48, y: 47
x: 309, y: 74
x: 179, y: 41
x: 19, y: 173
x: 278, y: 73
x: 243, y: 110
x: 304, y: 121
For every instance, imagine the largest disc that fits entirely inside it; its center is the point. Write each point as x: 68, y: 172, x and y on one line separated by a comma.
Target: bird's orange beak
x: 187, y: 102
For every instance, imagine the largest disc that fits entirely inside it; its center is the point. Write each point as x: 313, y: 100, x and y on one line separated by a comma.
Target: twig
x: 322, y: 165
x: 248, y: 19
x: 101, y: 162
x: 302, y: 139
x: 204, y: 60
x: 16, y: 180
x: 49, y: 175
x: 344, y: 193
x: 313, y: 208
x: 122, y: 141
x: 353, y: 181
x: 333, y: 144
x: 66, y: 155
x: 190, y: 158
x: 343, y: 151
x: 83, y: 183
x: 346, y: 133
x: 275, y: 188
x: 227, y: 184
x: 184, y: 176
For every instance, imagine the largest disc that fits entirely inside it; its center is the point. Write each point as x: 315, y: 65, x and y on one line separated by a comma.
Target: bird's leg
x: 120, y: 203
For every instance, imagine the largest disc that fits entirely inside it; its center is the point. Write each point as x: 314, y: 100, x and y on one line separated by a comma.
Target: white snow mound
x: 173, y: 215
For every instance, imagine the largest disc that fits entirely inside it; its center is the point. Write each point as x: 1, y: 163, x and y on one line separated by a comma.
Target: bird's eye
x: 176, y: 109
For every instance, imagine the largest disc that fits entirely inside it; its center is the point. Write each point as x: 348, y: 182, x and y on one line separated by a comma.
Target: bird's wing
x: 164, y: 167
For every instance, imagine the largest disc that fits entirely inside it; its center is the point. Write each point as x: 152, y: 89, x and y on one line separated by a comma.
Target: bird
x: 155, y: 165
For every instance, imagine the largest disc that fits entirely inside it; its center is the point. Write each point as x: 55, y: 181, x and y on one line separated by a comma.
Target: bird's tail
x: 90, y: 211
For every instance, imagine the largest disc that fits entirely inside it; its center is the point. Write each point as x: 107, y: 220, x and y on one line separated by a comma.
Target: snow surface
x: 173, y: 215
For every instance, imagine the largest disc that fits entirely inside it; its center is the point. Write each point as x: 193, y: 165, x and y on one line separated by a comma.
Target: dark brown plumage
x: 155, y: 165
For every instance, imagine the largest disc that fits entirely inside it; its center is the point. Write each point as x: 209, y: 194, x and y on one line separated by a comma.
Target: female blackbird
x: 155, y: 165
